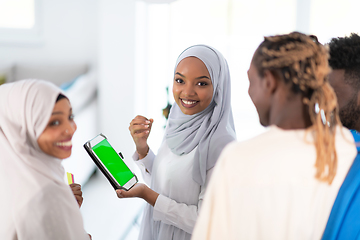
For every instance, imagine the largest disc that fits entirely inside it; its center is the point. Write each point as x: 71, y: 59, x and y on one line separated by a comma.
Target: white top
x: 48, y: 211
x: 265, y: 188
x: 176, y: 209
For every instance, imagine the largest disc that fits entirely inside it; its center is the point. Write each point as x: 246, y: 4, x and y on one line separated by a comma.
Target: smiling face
x: 192, y: 88
x: 56, y: 138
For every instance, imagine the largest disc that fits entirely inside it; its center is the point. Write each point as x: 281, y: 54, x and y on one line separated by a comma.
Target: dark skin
x: 275, y: 102
x: 348, y: 99
x: 76, y: 189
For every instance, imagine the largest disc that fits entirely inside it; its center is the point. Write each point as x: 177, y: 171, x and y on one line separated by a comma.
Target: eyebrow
x: 195, y: 78
x: 59, y: 113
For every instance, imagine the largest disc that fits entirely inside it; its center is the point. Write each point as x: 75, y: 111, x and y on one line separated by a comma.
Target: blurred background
x: 115, y: 59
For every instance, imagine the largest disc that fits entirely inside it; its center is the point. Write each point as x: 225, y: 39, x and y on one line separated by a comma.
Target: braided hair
x: 301, y: 61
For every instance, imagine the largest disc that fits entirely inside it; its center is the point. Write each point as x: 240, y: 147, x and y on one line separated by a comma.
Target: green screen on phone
x: 112, y: 161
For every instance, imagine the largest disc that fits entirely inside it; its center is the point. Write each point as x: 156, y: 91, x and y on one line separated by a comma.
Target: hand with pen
x: 75, y: 188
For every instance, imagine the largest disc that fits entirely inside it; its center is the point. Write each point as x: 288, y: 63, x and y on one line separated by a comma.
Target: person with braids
x: 344, y: 220
x: 282, y: 184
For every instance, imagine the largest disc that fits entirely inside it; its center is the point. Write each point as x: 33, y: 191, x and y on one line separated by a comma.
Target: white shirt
x: 265, y: 188
x: 51, y: 212
x: 176, y: 208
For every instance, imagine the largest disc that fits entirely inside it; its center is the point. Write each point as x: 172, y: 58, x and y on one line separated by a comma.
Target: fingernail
x: 147, y: 121
x: 146, y: 126
x: 147, y: 131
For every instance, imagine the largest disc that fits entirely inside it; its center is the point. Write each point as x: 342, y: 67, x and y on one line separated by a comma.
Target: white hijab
x: 211, y: 129
x: 36, y: 203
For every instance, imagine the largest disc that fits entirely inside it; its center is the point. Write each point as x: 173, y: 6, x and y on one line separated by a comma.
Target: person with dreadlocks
x: 344, y: 221
x: 282, y: 184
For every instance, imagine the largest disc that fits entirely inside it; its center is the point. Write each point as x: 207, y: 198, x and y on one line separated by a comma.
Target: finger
x: 79, y: 193
x: 151, y: 122
x: 73, y: 185
x: 139, y: 128
x: 76, y: 188
x: 119, y: 193
x: 139, y: 118
x: 79, y: 198
x: 139, y: 123
x: 142, y: 135
x: 123, y: 194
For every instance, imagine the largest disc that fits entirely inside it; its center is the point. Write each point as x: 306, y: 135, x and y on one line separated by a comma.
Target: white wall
x: 117, y: 72
x: 68, y: 33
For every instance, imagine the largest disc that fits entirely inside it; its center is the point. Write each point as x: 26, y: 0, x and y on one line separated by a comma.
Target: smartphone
x: 110, y: 163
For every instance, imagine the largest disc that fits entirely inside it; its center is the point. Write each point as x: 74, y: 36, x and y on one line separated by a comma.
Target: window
x: 19, y: 14
x: 19, y: 21
x: 235, y: 28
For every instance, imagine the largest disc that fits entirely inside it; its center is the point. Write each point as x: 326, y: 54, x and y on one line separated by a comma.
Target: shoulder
x: 47, y: 202
x: 254, y: 144
x: 344, y: 136
x: 345, y: 146
x: 235, y: 153
x: 274, y: 149
x: 51, y: 194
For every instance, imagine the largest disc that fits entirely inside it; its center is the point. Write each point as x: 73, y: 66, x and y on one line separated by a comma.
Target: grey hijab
x: 211, y: 129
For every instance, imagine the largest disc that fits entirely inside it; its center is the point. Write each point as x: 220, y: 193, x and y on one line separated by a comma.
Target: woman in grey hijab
x: 200, y: 124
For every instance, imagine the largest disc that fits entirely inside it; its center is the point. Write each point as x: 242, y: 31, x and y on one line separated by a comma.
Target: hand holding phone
x: 139, y: 190
x: 110, y: 163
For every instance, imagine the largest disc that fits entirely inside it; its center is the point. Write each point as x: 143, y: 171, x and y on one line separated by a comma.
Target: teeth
x: 64, y: 144
x: 188, y: 102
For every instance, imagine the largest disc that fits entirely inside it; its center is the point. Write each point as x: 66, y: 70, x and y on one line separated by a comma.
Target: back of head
x: 345, y: 54
x: 300, y: 60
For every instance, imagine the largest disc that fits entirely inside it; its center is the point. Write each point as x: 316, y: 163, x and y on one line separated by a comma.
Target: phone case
x: 107, y: 174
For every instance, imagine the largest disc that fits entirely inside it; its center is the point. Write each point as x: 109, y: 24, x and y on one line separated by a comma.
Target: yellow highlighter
x: 70, y: 178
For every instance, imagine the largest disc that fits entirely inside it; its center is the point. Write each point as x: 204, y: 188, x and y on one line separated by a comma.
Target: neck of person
x: 289, y: 112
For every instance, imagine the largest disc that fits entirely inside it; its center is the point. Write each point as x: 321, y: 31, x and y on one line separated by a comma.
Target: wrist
x: 150, y: 195
x: 144, y: 191
x: 143, y: 153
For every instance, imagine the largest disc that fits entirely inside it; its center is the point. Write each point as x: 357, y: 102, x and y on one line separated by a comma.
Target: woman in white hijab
x: 200, y: 124
x: 36, y: 127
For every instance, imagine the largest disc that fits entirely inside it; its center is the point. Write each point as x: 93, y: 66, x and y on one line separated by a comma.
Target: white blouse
x: 176, y: 208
